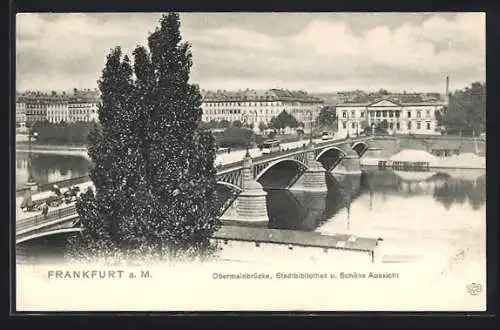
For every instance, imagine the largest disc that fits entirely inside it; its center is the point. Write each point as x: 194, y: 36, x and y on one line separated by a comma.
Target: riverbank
x: 462, y: 161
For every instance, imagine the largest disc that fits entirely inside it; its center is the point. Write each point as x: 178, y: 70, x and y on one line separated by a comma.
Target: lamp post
x: 311, y: 127
x: 348, y: 126
x: 31, y: 134
x: 247, y: 154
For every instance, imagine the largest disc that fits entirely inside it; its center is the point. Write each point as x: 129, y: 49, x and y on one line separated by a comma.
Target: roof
x: 45, y: 98
x: 414, y: 155
x: 295, y: 237
x: 397, y: 101
x: 465, y: 160
x: 259, y: 95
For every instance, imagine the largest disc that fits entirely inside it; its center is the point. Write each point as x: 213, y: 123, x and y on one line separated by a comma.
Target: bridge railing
x: 61, y: 184
x: 40, y: 219
x: 299, y: 150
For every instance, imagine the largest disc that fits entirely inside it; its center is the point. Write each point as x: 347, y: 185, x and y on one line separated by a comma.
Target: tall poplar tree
x: 153, y: 165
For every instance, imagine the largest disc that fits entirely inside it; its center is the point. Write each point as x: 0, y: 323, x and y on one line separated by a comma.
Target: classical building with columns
x: 401, y: 117
x: 255, y: 106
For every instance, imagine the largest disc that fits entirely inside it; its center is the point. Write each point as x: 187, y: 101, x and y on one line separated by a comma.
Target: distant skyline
x: 314, y: 52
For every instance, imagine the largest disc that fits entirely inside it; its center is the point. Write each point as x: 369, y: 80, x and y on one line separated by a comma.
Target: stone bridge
x: 241, y: 186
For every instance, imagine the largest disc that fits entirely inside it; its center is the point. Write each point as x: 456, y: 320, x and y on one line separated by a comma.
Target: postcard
x: 250, y: 162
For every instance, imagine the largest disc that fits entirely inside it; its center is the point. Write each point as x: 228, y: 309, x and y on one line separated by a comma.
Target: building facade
x: 401, y: 118
x: 254, y: 107
x: 20, y: 112
x: 57, y: 108
x: 36, y: 108
x: 83, y: 106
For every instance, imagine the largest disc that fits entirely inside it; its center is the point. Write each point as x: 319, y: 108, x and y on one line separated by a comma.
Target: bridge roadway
x: 223, y: 159
x: 62, y: 218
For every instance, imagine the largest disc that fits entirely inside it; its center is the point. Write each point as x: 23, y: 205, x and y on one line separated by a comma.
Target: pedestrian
x: 45, y: 210
x: 56, y: 190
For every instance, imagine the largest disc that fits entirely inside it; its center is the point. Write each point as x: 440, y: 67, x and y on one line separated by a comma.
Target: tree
x: 327, y: 117
x: 283, y: 120
x: 224, y: 124
x: 466, y: 111
x: 236, y: 137
x: 153, y: 166
x: 363, y: 125
x: 262, y: 126
x: 237, y: 124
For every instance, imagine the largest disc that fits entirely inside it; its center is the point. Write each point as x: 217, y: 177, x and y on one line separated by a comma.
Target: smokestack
x: 447, y: 95
x: 447, y: 85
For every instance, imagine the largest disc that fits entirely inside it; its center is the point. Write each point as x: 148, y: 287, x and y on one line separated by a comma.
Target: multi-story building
x: 402, y: 117
x: 36, y: 107
x: 83, y: 106
x: 20, y: 112
x: 57, y: 108
x: 254, y: 107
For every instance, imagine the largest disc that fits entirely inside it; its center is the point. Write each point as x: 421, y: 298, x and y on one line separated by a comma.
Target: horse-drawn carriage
x: 57, y: 198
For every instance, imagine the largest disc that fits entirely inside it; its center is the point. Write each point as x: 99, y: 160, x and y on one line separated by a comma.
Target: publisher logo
x: 474, y: 288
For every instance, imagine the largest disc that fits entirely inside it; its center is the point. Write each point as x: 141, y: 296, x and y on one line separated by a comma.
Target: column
x: 251, y: 203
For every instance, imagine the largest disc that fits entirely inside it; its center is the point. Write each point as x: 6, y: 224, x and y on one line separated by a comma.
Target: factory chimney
x: 447, y: 95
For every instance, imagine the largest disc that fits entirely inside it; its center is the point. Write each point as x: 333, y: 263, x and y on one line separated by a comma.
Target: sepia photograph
x: 250, y: 161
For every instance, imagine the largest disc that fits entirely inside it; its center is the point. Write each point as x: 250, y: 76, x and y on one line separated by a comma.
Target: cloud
x: 324, y: 54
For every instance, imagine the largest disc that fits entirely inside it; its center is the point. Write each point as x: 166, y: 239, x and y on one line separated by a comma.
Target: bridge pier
x: 251, y: 205
x: 350, y: 163
x: 314, y: 178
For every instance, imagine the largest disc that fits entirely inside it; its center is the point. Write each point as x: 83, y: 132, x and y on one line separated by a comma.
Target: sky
x: 315, y: 52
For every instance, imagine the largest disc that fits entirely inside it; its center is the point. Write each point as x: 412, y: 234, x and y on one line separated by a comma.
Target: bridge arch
x: 229, y: 186
x: 360, y: 148
x: 226, y: 195
x: 281, y: 173
x: 330, y: 150
x: 62, y: 231
x: 330, y: 157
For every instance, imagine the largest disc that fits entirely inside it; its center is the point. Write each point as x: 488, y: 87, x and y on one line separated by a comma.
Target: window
x: 409, y: 125
x: 391, y: 125
x: 353, y: 125
x: 378, y: 113
x: 427, y: 113
x: 344, y: 124
x: 344, y: 114
x: 372, y: 113
x: 428, y: 126
x: 409, y: 114
x: 384, y: 113
x: 398, y: 126
x: 396, y: 113
x: 391, y: 114
x: 353, y: 114
x: 419, y: 114
x: 418, y: 125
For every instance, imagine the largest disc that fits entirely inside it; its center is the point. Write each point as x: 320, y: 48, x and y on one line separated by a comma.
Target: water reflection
x: 447, y: 187
x: 296, y: 210
x: 375, y: 192
x: 307, y: 210
x: 49, y: 168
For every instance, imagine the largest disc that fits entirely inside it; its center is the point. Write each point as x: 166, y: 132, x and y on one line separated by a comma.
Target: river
x: 48, y: 168
x: 418, y: 214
